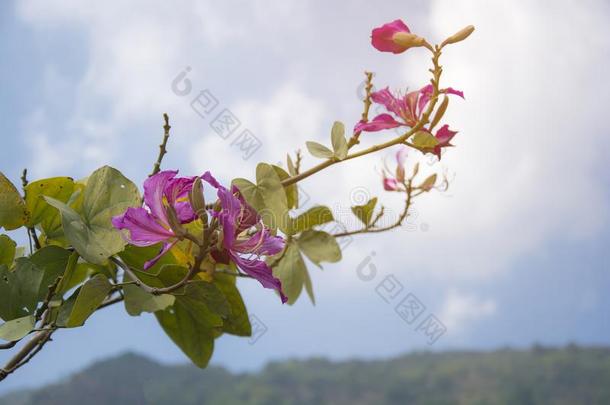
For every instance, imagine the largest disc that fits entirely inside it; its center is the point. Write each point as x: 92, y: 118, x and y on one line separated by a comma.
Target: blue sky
x: 514, y: 253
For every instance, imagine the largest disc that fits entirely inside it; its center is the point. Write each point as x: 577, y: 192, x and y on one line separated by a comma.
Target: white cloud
x: 460, y: 310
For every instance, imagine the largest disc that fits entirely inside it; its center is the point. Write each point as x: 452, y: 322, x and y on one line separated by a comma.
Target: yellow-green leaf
x: 13, y: 213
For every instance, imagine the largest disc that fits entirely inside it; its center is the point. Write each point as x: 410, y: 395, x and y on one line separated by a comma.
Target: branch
x: 163, y: 146
x: 31, y: 231
x: 354, y: 140
x: 425, y: 118
x: 371, y: 228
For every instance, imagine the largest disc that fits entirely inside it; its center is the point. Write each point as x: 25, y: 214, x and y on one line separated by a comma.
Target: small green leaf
x: 424, y: 140
x: 13, y: 213
x: 7, y: 250
x: 318, y: 150
x: 17, y: 328
x: 319, y: 247
x: 338, y: 140
x: 313, y: 217
x: 365, y: 212
x: 59, y: 188
x: 19, y: 289
x: 292, y: 192
x: 137, y: 300
x: 107, y: 193
x: 429, y: 183
x: 291, y: 168
x: 84, y: 302
x: 267, y: 197
x: 291, y: 271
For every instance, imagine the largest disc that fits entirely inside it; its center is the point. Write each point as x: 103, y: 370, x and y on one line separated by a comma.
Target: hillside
x: 539, y: 376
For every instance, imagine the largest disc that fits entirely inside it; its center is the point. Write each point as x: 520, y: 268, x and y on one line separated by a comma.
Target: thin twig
x: 162, y: 146
x: 354, y: 140
x: 31, y: 231
x: 425, y: 118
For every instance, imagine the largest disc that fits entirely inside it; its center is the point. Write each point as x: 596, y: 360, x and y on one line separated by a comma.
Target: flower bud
x: 459, y: 36
x: 407, y: 40
x: 174, y: 222
x: 197, y: 200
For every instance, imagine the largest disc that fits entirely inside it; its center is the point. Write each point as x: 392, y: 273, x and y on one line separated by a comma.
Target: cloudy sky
x: 514, y: 253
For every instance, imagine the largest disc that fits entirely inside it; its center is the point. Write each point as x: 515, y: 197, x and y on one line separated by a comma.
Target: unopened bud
x: 440, y: 112
x: 407, y: 40
x: 174, y: 222
x: 459, y: 36
x: 197, y: 200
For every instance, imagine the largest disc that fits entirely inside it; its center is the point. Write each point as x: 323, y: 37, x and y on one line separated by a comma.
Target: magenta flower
x: 384, y: 38
x: 407, y: 110
x: 149, y: 225
x: 443, y: 136
x: 245, y: 250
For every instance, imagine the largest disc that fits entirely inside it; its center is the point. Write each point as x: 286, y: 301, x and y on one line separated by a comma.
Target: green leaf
x: 365, y: 212
x: 319, y: 247
x: 13, y: 213
x: 108, y: 193
x: 237, y: 322
x: 291, y: 168
x: 19, y: 289
x: 267, y: 197
x: 137, y: 300
x: 84, y: 302
x: 196, y: 291
x: 17, y: 328
x: 424, y: 140
x: 192, y: 328
x: 338, y: 140
x: 429, y: 183
x: 309, y: 286
x: 59, y: 188
x: 292, y: 192
x: 7, y: 250
x: 313, y: 217
x: 318, y: 150
x: 291, y: 271
x: 136, y: 256
x: 52, y: 262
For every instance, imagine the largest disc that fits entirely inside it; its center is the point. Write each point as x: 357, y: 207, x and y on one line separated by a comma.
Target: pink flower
x: 443, y: 136
x: 382, y: 38
x: 149, y: 225
x: 406, y: 110
x: 236, y: 217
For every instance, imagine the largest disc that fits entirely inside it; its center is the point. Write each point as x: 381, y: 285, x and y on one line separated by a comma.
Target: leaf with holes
x: 59, y: 188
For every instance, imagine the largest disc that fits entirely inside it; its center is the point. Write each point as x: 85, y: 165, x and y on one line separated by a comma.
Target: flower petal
x: 154, y: 190
x: 450, y: 90
x: 166, y: 247
x: 143, y: 229
x: 390, y: 184
x: 381, y: 37
x: 261, y: 243
x: 401, y: 156
x: 379, y: 123
x: 389, y: 101
x: 260, y: 271
x: 444, y: 135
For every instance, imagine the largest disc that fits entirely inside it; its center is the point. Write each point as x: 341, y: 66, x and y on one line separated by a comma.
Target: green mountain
x: 572, y: 375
